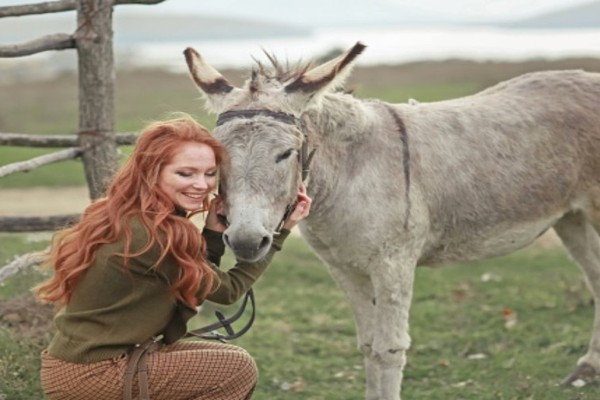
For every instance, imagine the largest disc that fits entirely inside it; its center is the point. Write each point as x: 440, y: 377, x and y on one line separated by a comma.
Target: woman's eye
x: 211, y: 174
x: 286, y: 154
x: 184, y: 174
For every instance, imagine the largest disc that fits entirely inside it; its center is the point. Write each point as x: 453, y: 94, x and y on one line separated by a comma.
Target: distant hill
x: 131, y: 28
x: 576, y: 17
x: 142, y: 28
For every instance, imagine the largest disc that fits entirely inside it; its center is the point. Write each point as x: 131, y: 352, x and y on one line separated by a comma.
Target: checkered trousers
x: 185, y: 370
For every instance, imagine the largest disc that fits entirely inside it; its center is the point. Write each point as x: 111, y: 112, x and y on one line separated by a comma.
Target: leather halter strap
x: 136, y: 365
x: 248, y: 114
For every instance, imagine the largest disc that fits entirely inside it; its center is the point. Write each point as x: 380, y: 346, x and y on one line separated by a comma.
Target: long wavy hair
x: 135, y: 192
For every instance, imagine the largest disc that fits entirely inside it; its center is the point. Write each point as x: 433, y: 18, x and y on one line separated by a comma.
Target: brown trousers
x: 186, y: 370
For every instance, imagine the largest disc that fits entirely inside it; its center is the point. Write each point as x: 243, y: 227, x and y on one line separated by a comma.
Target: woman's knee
x: 248, y: 368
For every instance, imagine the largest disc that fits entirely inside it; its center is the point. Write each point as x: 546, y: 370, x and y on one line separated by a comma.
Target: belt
x: 137, y: 365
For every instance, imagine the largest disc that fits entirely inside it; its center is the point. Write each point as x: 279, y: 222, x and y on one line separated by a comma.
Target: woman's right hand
x: 301, y: 210
x: 215, y: 215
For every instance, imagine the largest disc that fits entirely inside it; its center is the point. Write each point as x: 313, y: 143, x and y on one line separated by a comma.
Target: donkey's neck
x: 338, y: 126
x: 339, y: 118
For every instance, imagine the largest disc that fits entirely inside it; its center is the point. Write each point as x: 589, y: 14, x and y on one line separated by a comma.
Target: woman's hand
x: 301, y: 210
x: 215, y: 213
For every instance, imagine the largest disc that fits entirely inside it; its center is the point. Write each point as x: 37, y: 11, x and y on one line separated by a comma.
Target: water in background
x: 385, y: 46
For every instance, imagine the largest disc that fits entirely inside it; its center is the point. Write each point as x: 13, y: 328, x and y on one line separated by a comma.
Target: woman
x: 132, y: 272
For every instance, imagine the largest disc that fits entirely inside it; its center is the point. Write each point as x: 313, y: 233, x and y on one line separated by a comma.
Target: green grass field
x: 510, y: 328
x: 303, y: 338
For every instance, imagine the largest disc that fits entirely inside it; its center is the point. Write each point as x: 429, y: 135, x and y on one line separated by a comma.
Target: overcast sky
x: 434, y: 9
x: 470, y: 10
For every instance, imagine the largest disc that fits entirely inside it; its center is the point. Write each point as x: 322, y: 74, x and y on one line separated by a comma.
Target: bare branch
x: 39, y: 8
x: 21, y: 263
x: 25, y: 166
x: 28, y: 140
x: 57, y: 41
x: 36, y: 224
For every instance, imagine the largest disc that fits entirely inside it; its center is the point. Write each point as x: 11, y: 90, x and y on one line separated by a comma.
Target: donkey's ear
x: 330, y: 75
x: 210, y: 81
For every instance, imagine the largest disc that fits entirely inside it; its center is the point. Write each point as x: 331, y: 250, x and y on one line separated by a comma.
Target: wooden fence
x: 96, y: 142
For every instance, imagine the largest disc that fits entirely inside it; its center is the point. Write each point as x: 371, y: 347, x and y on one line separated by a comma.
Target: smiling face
x: 190, y: 176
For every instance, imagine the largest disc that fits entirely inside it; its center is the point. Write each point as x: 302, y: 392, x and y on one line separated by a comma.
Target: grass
x: 303, y: 339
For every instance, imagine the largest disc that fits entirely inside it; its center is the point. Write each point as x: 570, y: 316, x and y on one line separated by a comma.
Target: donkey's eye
x: 284, y: 155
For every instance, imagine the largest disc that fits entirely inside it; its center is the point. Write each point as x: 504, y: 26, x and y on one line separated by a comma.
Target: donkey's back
x: 497, y: 169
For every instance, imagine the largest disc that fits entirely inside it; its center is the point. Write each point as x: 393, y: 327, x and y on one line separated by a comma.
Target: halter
x: 304, y: 157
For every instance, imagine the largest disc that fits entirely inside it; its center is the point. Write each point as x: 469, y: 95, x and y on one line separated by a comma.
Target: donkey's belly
x: 492, y: 242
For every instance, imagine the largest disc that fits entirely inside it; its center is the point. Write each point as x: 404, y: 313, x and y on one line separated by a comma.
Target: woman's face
x: 190, y: 176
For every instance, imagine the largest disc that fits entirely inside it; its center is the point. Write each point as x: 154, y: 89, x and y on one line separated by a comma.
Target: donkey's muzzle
x: 248, y: 247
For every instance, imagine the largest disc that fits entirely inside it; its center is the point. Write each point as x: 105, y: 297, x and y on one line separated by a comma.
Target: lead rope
x: 208, y: 332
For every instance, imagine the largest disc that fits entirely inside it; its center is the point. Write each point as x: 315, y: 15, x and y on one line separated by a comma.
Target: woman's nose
x: 200, y: 183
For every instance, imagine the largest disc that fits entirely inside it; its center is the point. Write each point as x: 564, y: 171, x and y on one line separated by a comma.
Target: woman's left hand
x: 301, y: 210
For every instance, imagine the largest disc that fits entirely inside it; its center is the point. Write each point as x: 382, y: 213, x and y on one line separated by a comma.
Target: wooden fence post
x: 96, y: 93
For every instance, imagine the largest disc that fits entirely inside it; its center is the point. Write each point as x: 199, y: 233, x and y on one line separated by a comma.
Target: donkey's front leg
x: 393, y: 286
x: 358, y: 289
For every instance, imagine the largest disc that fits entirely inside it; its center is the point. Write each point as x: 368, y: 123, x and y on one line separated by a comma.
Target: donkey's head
x: 261, y: 126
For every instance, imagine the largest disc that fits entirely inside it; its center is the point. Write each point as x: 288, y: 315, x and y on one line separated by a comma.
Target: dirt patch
x: 25, y: 317
x: 43, y: 201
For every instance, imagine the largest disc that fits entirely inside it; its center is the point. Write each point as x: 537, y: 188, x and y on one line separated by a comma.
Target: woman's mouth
x: 195, y: 196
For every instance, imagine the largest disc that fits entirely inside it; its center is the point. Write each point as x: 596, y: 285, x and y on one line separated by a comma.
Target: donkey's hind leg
x: 583, y: 242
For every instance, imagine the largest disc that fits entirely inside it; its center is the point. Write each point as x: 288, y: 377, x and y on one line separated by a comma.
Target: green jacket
x: 113, y: 308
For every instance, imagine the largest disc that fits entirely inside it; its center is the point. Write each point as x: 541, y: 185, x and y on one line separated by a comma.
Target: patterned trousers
x: 185, y: 370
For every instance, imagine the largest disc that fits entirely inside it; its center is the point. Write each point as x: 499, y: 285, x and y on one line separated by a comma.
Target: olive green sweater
x: 114, y: 308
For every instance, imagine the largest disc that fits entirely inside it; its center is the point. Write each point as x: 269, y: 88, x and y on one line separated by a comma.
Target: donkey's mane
x: 277, y: 70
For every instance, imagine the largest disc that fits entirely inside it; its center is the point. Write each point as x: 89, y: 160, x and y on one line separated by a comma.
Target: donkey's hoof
x: 583, y: 374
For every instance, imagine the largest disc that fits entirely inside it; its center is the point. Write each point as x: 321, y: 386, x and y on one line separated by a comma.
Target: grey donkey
x: 396, y: 186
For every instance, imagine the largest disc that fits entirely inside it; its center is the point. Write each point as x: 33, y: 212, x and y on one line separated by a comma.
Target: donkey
x: 395, y: 186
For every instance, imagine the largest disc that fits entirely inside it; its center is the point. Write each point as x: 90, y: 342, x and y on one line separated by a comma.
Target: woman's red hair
x: 134, y: 192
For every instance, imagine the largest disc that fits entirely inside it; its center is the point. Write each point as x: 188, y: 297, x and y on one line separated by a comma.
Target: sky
x: 466, y: 10
x: 301, y: 13
x: 429, y: 39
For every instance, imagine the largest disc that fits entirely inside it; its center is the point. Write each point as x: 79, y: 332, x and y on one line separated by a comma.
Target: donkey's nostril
x: 266, y: 241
